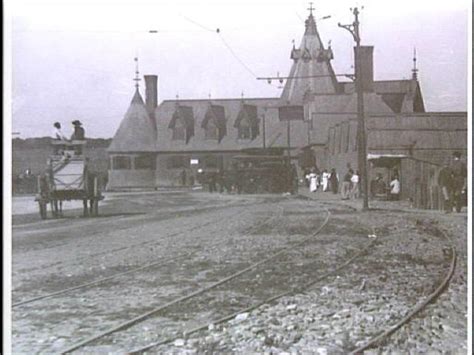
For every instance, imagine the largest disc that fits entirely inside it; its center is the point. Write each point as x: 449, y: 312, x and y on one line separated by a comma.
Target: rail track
x: 194, y: 294
x: 160, y: 262
x: 420, y: 306
x: 272, y: 219
x: 192, y: 297
x: 203, y: 295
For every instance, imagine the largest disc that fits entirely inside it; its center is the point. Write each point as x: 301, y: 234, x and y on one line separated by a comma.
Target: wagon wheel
x: 43, y: 209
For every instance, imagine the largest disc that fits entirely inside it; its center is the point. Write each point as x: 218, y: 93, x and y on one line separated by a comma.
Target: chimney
x: 151, y: 93
x: 366, y: 67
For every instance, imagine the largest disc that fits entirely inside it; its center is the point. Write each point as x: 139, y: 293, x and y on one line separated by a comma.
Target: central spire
x: 310, y: 23
x: 311, y: 71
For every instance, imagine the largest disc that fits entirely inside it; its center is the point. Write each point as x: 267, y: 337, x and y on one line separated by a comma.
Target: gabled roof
x: 400, y: 95
x: 311, y: 70
x: 137, y: 131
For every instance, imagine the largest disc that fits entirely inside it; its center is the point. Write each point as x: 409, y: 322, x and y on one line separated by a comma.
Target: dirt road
x: 152, y: 248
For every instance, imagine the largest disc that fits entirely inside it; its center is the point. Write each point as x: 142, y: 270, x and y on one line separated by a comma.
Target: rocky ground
x: 212, y: 236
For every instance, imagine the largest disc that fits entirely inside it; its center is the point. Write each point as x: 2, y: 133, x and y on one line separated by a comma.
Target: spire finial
x: 311, y: 8
x: 137, y: 76
x: 414, y: 70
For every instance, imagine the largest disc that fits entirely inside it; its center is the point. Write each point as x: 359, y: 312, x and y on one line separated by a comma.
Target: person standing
x: 78, y: 135
x: 313, y: 181
x: 444, y: 181
x: 346, y: 185
x: 325, y: 180
x: 334, y: 181
x: 395, y: 189
x: 458, y: 181
x: 355, y: 185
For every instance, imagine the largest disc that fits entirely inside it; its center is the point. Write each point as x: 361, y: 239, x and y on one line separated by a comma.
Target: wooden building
x: 155, y: 143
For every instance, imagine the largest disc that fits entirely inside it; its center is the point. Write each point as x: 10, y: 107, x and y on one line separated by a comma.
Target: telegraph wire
x: 237, y: 57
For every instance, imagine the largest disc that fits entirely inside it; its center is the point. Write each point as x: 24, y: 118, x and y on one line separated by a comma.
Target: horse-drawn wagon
x: 67, y: 178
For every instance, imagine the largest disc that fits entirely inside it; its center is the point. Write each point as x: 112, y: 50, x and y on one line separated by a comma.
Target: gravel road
x: 191, y: 240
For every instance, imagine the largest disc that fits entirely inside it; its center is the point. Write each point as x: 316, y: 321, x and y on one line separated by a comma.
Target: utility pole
x: 288, y: 139
x: 263, y: 126
x: 361, y: 138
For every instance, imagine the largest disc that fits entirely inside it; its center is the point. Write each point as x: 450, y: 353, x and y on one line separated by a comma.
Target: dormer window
x: 179, y: 132
x: 214, y: 123
x: 182, y: 123
x: 212, y: 132
x: 247, y: 122
x: 244, y: 129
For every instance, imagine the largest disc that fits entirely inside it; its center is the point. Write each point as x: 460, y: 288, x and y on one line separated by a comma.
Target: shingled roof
x: 137, y: 131
x: 311, y: 70
x: 275, y: 131
x: 402, y: 96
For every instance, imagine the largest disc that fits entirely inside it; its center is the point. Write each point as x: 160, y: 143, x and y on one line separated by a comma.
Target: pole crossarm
x: 350, y: 28
x: 301, y: 77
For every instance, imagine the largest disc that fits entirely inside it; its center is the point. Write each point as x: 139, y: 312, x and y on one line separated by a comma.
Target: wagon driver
x: 78, y: 135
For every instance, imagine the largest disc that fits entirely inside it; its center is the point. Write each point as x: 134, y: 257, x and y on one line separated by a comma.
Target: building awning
x: 371, y: 156
x: 385, y: 160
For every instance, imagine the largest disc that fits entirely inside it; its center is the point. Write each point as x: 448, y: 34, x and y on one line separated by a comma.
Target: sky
x: 75, y: 59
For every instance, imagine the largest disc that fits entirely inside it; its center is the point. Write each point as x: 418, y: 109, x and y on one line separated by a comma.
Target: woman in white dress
x: 325, y: 180
x: 313, y: 181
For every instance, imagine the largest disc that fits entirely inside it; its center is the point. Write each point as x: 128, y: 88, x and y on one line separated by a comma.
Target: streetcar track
x: 269, y: 300
x: 158, y: 263
x: 384, y: 335
x: 110, y: 251
x: 146, y: 315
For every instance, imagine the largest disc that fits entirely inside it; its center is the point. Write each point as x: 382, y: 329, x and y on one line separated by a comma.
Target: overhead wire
x: 227, y: 46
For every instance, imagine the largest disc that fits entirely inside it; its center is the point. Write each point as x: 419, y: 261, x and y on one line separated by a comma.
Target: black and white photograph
x: 237, y: 177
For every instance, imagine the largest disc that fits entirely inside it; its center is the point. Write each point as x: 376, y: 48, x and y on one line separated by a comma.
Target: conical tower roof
x: 311, y: 71
x: 137, y: 131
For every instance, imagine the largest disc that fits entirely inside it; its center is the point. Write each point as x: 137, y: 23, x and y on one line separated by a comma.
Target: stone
x: 241, y: 317
x: 179, y: 342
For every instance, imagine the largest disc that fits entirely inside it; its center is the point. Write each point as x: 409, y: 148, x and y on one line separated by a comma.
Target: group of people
x: 78, y: 134
x: 323, y: 181
x: 350, y: 185
x: 378, y: 187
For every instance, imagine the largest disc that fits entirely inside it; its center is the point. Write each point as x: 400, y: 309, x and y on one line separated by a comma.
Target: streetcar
x: 66, y: 178
x: 264, y: 171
